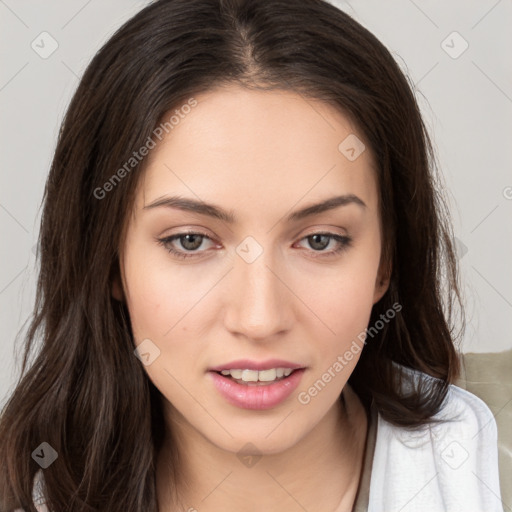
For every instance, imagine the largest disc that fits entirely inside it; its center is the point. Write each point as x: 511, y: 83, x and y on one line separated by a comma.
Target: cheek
x: 161, y: 299
x: 159, y: 294
x: 342, y: 300
x: 345, y: 312
x: 148, y: 301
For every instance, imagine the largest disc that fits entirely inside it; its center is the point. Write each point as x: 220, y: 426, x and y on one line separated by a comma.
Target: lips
x: 257, y: 396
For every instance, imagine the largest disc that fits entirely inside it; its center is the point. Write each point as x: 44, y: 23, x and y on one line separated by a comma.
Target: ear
x: 382, y: 281
x: 117, y: 287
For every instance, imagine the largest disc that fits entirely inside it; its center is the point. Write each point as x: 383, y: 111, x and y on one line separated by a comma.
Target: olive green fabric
x: 489, y: 377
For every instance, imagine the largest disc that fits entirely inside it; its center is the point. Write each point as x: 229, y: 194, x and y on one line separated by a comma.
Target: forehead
x: 272, y: 147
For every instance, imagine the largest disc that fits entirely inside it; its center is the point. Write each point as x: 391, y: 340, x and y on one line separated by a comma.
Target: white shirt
x: 451, y: 466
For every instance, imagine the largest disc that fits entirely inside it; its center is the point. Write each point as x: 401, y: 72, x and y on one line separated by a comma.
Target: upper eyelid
x: 206, y: 235
x: 177, y: 236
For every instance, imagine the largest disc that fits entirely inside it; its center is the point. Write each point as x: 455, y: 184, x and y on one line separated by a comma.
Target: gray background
x: 466, y: 99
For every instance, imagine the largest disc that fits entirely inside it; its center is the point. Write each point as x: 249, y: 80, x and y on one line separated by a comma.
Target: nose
x: 259, y: 305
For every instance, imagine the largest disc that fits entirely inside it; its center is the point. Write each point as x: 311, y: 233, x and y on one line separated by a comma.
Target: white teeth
x: 255, y: 375
x: 267, y: 375
x: 250, y: 376
x: 236, y: 374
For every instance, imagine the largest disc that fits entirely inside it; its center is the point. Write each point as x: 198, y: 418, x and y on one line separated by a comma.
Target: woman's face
x: 265, y: 277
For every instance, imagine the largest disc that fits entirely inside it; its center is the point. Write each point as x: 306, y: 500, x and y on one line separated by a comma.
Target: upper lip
x: 247, y: 364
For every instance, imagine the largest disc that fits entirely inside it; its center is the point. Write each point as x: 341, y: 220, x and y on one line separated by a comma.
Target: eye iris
x: 195, y: 242
x: 315, y: 244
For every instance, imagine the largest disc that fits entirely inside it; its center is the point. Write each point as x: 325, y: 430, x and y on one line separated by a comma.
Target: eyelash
x: 343, y: 243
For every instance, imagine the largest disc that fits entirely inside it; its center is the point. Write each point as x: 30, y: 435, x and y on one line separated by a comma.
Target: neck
x: 320, y: 472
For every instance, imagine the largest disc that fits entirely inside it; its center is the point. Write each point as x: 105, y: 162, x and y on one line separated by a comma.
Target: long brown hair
x: 81, y: 389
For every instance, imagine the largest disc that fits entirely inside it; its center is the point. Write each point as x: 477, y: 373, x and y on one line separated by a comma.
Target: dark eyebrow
x: 212, y: 210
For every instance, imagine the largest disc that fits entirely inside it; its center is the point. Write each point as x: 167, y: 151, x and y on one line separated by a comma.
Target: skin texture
x: 260, y: 155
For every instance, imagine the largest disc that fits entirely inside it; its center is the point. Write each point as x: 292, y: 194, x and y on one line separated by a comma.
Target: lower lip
x: 256, y: 397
